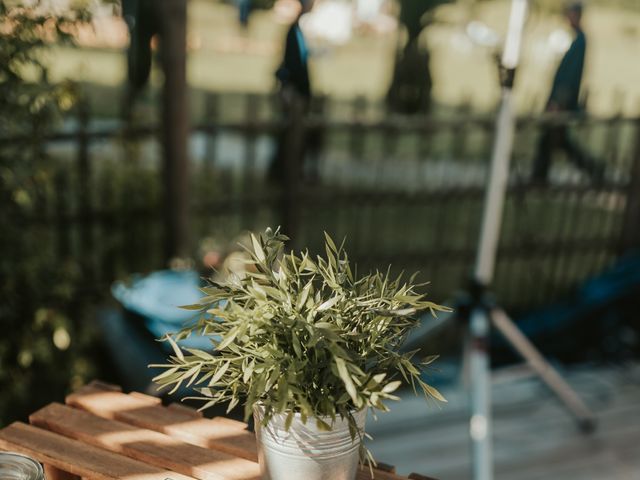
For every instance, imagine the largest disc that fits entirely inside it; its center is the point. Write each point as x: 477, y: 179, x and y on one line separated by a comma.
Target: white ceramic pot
x: 306, y: 452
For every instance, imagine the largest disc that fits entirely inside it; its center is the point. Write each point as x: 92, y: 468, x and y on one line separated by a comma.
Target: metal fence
x: 405, y: 191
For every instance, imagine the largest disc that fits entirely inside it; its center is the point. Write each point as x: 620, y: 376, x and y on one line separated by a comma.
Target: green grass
x: 228, y: 61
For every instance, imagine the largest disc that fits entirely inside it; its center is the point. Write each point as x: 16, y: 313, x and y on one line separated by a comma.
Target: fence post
x: 358, y: 111
x: 175, y: 128
x: 109, y: 229
x: 85, y: 209
x: 63, y: 235
x: 460, y: 130
x: 293, y: 160
x: 211, y: 110
x: 630, y: 238
x: 250, y: 141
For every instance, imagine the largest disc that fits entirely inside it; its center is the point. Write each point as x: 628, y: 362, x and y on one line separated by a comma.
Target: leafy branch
x: 301, y: 334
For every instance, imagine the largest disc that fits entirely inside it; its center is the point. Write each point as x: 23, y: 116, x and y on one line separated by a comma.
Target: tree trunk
x: 175, y: 127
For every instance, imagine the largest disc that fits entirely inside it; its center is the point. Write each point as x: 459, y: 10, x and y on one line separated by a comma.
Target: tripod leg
x: 547, y: 373
x: 427, y: 329
x: 480, y: 424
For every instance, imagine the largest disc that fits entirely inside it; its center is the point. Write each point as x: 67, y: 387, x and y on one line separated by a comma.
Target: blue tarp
x: 157, y: 298
x: 615, y: 283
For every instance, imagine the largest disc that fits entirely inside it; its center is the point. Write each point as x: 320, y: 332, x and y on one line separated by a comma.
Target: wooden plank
x: 105, y: 386
x: 385, y: 467
x: 188, y: 410
x: 145, y: 445
x: 222, y: 434
x: 151, y: 400
x: 52, y: 473
x: 217, y: 433
x: 76, y: 458
x: 417, y: 476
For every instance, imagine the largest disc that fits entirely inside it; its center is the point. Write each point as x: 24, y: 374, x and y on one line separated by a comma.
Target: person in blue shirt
x: 294, y: 89
x: 564, y: 98
x: 244, y: 9
x: 293, y: 73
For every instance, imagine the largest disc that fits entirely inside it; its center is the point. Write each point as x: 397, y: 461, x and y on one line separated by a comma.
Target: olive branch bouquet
x: 301, y: 335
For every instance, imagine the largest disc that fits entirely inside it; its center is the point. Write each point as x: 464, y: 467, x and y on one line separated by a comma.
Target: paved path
x: 534, y: 437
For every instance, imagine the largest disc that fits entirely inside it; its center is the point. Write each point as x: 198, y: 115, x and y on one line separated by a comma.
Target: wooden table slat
x: 145, y: 445
x: 149, y: 398
x: 76, y: 457
x: 218, y: 433
x: 188, y: 410
x: 417, y: 476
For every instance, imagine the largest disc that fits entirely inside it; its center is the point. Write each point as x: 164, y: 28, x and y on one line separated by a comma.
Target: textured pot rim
x: 362, y: 411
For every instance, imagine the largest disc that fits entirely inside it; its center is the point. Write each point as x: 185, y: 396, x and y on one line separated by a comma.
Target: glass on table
x: 14, y: 466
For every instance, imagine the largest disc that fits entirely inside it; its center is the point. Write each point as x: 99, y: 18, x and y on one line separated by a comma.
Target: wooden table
x: 103, y: 433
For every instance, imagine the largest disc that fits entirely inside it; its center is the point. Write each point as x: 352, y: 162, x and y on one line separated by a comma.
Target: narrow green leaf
x: 329, y: 303
x: 348, y: 382
x: 226, y: 341
x: 200, y: 354
x: 175, y: 347
x: 289, y: 419
x: 257, y: 248
x: 165, y: 374
x: 196, y: 306
x: 322, y: 425
x: 391, y: 386
x: 296, y: 344
x: 219, y: 373
x: 433, y: 392
x: 329, y: 241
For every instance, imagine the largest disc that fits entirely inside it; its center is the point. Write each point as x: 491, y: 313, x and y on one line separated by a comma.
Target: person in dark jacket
x: 293, y: 72
x: 244, y: 10
x: 564, y: 98
x: 294, y: 89
x: 143, y: 23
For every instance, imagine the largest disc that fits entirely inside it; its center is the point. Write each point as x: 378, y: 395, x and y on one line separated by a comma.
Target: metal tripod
x: 479, y: 314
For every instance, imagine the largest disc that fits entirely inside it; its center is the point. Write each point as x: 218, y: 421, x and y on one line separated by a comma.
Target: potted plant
x: 307, y: 346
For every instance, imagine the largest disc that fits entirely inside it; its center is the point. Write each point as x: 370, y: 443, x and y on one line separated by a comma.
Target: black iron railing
x: 406, y: 191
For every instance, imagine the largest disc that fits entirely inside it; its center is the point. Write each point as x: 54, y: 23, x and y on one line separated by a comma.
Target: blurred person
x: 244, y: 9
x: 294, y: 87
x: 143, y: 23
x: 293, y: 73
x: 564, y: 98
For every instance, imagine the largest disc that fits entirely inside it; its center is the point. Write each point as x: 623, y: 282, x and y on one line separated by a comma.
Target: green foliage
x: 299, y: 334
x: 29, y: 104
x: 42, y: 349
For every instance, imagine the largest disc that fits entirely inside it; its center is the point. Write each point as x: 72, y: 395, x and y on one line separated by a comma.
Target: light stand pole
x: 482, y: 313
x: 479, y: 321
x: 477, y: 313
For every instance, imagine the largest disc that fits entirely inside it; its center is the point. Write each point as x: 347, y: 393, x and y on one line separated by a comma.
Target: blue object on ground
x: 157, y: 298
x: 594, y: 311
x: 622, y: 279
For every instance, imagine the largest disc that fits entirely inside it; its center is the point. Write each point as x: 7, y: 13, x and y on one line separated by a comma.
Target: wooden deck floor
x: 534, y: 437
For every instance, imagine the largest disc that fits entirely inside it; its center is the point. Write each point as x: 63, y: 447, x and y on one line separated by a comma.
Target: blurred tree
x: 410, y: 90
x: 41, y: 349
x: 168, y: 20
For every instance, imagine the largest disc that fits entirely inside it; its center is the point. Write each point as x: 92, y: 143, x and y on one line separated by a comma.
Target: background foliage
x: 43, y: 351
